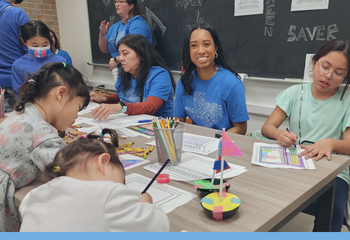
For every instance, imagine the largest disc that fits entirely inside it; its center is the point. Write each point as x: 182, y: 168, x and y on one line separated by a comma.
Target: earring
x: 216, y: 55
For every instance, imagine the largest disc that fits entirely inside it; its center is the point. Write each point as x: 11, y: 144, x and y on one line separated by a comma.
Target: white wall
x: 75, y: 39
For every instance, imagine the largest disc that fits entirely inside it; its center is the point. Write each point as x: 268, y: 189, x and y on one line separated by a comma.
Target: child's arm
x: 270, y: 128
x: 239, y: 128
x: 325, y: 147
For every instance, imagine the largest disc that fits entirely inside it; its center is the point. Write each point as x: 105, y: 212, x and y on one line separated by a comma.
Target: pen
x: 290, y: 133
x: 155, y: 176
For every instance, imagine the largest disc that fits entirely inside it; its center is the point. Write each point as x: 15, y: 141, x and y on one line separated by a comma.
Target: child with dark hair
x: 49, y: 100
x: 36, y: 36
x: 87, y: 193
x: 56, y: 48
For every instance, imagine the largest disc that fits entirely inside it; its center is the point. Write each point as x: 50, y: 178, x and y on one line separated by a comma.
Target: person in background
x: 36, y: 36
x: 131, y: 23
x: 11, y: 18
x: 50, y: 99
x: 87, y: 193
x: 144, y: 86
x: 56, y: 49
x: 209, y: 92
x: 319, y: 117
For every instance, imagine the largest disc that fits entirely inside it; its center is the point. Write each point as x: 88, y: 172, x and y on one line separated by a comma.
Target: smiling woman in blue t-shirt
x: 210, y: 92
x: 144, y: 85
x: 132, y: 23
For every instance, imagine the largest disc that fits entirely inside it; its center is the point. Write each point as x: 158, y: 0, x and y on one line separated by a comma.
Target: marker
x: 65, y: 137
x: 290, y: 133
x: 145, y: 154
x: 138, y: 154
x: 152, y: 148
x: 144, y: 121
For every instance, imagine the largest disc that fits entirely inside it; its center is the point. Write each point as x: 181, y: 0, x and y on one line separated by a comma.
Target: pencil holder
x: 169, y: 144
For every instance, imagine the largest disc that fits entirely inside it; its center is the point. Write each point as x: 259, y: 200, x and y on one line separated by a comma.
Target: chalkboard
x: 269, y: 45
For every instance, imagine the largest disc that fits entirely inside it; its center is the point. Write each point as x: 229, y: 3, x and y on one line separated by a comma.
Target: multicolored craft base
x: 220, y: 210
x: 203, y: 187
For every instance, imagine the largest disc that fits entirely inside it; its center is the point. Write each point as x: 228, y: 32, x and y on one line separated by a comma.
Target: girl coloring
x: 87, y: 193
x: 49, y: 100
x: 319, y: 114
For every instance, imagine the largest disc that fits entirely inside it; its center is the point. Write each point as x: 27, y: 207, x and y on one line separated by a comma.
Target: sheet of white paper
x: 164, y: 195
x: 89, y: 108
x: 306, y: 5
x: 248, y: 7
x: 197, y: 144
x: 308, y: 71
x: 195, y: 167
x: 276, y: 156
x: 130, y: 161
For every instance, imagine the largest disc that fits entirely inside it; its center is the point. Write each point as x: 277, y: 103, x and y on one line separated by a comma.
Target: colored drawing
x: 146, y: 129
x: 280, y: 156
x: 127, y: 163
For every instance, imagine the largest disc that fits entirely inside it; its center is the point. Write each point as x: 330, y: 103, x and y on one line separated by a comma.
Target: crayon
x: 152, y: 148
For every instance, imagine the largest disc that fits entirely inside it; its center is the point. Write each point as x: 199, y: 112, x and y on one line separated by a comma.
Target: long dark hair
x: 34, y: 28
x: 81, y: 151
x: 148, y: 57
x: 57, y: 43
x: 340, y: 46
x: 135, y: 10
x: 189, y: 66
x: 49, y: 76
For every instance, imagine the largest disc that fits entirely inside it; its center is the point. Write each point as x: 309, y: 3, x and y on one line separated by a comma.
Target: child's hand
x: 287, y: 139
x: 319, y: 149
x: 146, y: 198
x: 104, y: 110
x: 104, y: 27
x: 94, y: 97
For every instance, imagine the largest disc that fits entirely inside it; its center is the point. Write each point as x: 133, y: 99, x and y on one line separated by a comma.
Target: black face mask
x: 18, y: 1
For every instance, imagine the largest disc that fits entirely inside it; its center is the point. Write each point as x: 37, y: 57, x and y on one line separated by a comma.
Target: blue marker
x: 145, y: 121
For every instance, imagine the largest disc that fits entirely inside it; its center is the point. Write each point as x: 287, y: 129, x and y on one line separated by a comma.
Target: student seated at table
x: 50, y: 99
x: 36, y: 36
x: 87, y: 193
x: 144, y: 85
x: 319, y: 117
x: 209, y: 92
x: 56, y: 48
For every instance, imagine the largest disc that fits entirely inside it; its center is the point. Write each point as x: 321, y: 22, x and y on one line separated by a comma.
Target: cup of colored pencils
x: 168, y: 136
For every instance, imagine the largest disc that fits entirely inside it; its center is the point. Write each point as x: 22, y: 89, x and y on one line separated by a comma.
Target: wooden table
x: 270, y: 197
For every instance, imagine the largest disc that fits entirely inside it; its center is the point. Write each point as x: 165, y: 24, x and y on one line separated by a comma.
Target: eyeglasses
x: 335, y: 76
x: 119, y: 2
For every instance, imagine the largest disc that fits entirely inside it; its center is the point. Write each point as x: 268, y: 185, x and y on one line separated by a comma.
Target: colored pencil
x: 155, y: 176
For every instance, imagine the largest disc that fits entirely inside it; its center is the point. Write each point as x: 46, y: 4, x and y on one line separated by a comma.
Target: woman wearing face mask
x: 36, y: 36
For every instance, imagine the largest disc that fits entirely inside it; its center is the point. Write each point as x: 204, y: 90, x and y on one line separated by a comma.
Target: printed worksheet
x: 276, y: 156
x: 195, y: 167
x: 164, y: 195
x: 130, y: 161
x: 307, y: 5
x: 248, y: 7
x: 197, y: 144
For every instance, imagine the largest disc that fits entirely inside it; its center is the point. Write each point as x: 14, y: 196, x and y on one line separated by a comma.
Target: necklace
x: 42, y: 109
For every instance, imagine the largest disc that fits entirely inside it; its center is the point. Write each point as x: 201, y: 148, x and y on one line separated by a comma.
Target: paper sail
x: 228, y: 147
x: 217, y: 165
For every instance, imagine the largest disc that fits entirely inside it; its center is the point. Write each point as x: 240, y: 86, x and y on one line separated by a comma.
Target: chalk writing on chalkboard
x: 151, y: 16
x: 317, y: 31
x: 106, y: 2
x: 198, y: 20
x: 186, y: 3
x: 269, y: 19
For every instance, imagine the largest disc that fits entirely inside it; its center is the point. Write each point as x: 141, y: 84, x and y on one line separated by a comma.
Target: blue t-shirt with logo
x: 215, y: 103
x: 158, y: 84
x: 135, y: 25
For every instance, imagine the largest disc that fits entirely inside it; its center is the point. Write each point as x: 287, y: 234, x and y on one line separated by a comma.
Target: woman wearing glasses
x: 319, y: 113
x: 132, y: 23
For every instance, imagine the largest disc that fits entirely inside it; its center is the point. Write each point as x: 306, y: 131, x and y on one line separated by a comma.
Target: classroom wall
x: 75, y: 39
x: 44, y: 10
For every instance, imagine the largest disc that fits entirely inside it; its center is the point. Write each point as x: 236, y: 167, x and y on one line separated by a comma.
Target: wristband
x: 124, y: 107
x: 115, y: 60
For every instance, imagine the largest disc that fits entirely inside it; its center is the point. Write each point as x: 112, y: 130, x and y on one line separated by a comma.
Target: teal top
x: 320, y: 119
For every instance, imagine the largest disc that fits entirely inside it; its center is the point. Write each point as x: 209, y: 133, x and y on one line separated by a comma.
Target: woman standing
x: 210, y: 92
x: 144, y: 85
x: 132, y: 23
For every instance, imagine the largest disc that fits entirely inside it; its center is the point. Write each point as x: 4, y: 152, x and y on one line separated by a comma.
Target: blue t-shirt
x: 158, y: 84
x: 135, y: 25
x: 65, y: 55
x: 10, y: 49
x: 215, y: 103
x: 29, y: 64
